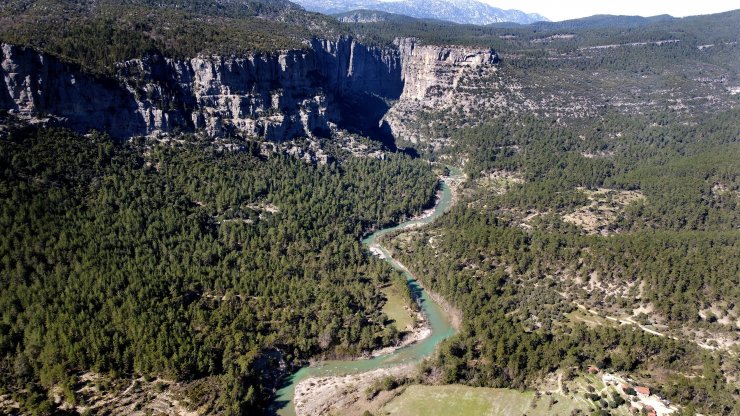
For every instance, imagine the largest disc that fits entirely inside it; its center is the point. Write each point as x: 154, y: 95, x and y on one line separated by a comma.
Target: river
x: 436, y: 318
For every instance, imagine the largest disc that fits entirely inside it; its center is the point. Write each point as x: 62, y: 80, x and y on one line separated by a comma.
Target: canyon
x: 328, y: 85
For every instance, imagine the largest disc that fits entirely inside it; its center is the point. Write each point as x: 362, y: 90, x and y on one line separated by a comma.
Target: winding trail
x: 437, y: 320
x: 630, y: 321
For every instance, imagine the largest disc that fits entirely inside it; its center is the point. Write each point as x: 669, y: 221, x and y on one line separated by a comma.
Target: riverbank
x: 453, y: 315
x: 419, y: 332
x: 346, y: 394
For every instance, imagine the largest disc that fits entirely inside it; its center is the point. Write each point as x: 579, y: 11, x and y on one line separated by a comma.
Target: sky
x: 570, y: 9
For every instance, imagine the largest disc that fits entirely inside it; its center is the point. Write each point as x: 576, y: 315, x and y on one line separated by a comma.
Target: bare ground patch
x: 604, y: 208
x: 98, y: 394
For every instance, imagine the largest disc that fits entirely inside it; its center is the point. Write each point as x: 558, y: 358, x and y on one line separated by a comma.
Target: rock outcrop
x: 428, y: 67
x: 276, y: 96
x: 38, y: 85
x: 431, y: 76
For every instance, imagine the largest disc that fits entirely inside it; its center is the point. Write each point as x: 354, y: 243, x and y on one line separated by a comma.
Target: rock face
x: 35, y: 84
x: 426, y: 67
x: 431, y: 76
x: 275, y: 96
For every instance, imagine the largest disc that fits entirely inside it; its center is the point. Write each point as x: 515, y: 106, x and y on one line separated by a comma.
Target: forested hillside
x: 634, y: 218
x: 186, y: 261
x: 96, y: 34
x: 598, y: 224
x: 589, y: 30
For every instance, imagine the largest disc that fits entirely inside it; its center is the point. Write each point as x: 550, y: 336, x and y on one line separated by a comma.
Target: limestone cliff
x: 277, y: 96
x: 37, y: 85
x: 431, y: 76
x: 429, y: 67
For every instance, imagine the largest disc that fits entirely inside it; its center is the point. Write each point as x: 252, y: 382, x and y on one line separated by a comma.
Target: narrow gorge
x: 328, y: 85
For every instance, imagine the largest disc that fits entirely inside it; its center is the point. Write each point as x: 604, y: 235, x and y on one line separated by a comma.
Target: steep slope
x: 218, y: 67
x: 672, y: 66
x: 98, y: 34
x: 277, y: 96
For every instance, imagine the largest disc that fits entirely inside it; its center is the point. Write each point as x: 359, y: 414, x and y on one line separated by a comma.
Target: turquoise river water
x: 437, y: 320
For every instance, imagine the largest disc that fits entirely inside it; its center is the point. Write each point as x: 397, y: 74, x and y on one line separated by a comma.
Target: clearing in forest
x: 419, y: 400
x: 397, y: 310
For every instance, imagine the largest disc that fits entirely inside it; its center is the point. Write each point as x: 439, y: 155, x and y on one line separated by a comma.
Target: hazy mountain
x: 374, y: 16
x: 458, y: 11
x: 597, y: 22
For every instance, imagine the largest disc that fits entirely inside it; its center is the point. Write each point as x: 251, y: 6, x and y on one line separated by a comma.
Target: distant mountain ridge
x: 375, y: 16
x: 595, y: 22
x: 457, y: 11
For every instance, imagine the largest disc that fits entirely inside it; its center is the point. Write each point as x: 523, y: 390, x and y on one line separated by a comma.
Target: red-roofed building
x: 644, y: 391
x: 651, y: 411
